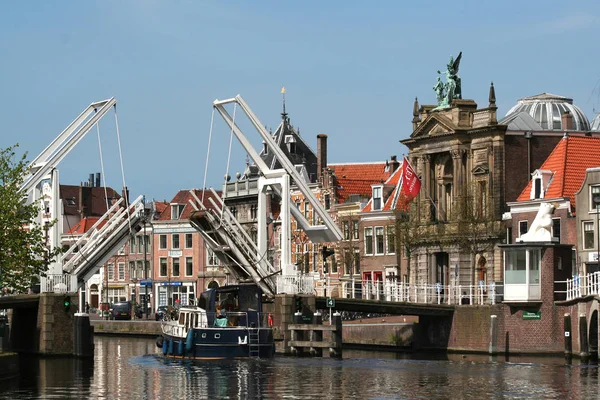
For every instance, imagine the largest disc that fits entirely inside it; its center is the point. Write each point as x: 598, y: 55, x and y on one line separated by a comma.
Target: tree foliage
x: 24, y: 254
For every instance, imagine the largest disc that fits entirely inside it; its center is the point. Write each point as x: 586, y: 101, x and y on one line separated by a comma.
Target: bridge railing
x: 58, y: 283
x: 581, y: 285
x: 391, y: 290
x: 295, y: 284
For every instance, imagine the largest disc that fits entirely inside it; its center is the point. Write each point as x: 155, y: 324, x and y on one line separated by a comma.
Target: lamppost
x: 596, y: 200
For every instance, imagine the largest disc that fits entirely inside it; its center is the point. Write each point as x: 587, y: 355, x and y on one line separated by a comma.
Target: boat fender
x: 159, y: 342
x: 165, y: 345
x: 245, y: 341
x: 189, y: 340
x: 180, y: 348
x: 170, y: 351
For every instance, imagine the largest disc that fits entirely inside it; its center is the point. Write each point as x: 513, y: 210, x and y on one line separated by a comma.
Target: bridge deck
x: 387, y: 307
x: 19, y: 300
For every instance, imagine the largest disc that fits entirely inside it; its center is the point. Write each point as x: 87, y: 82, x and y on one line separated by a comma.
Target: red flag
x: 411, y: 184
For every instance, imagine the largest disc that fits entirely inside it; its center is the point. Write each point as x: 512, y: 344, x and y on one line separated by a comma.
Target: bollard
x: 568, y: 337
x: 297, y: 335
x: 493, y: 347
x: 316, y: 335
x: 584, y: 352
x: 336, y: 336
x: 83, y: 336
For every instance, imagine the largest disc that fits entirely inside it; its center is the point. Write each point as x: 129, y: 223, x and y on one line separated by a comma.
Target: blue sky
x: 351, y: 69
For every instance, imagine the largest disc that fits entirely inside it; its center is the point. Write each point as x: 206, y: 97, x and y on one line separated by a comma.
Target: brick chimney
x: 567, y: 121
x: 394, y: 164
x: 321, y: 155
x: 85, y: 201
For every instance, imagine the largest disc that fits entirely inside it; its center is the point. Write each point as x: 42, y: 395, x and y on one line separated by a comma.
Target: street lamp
x: 596, y: 200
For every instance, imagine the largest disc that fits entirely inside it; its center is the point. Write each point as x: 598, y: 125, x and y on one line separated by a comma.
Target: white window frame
x: 369, y: 240
x: 121, y: 266
x: 160, y: 264
x: 160, y: 242
x: 377, y: 195
x: 173, y: 245
x: 379, y: 235
x: 191, y: 259
x: 191, y: 240
x: 584, y: 231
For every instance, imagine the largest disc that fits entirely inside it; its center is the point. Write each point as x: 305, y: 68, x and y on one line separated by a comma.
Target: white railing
x: 391, y: 290
x: 582, y: 285
x: 58, y: 283
x: 295, y: 284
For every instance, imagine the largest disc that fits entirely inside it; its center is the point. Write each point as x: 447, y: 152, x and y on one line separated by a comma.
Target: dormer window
x: 540, y: 181
x: 594, y: 197
x: 377, y: 200
x: 290, y: 142
x: 265, y: 148
x: 177, y: 210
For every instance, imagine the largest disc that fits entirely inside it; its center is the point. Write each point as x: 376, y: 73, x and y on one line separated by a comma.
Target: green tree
x: 24, y: 254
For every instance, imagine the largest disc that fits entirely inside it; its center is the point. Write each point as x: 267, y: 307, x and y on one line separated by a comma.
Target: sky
x: 351, y: 70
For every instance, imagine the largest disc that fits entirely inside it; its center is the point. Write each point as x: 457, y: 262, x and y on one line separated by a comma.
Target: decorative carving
x: 457, y: 153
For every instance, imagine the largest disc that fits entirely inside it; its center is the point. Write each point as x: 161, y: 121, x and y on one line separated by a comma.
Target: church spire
x: 415, y: 120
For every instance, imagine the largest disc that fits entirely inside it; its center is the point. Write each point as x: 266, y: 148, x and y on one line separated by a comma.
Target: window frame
x: 162, y: 241
x: 175, y: 246
x: 368, y: 232
x: 189, y: 240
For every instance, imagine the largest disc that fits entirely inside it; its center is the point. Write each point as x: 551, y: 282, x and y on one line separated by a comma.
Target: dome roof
x: 596, y: 124
x: 547, y: 110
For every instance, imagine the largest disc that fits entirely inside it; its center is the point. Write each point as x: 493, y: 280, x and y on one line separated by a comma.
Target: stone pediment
x: 434, y: 125
x: 481, y: 170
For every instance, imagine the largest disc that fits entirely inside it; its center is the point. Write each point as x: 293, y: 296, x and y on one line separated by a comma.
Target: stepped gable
x: 568, y: 163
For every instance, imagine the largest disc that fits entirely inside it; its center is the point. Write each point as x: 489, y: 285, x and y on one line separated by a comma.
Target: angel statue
x: 452, y: 86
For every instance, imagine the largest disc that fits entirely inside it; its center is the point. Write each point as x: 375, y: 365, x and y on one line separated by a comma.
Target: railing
x: 233, y: 319
x: 58, y: 283
x: 295, y: 284
x: 391, y: 290
x: 581, y: 285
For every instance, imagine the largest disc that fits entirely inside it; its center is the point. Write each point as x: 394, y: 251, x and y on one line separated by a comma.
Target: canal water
x: 132, y: 368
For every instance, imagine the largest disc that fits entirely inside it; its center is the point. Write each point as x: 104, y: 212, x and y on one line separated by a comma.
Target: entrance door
x: 441, y: 271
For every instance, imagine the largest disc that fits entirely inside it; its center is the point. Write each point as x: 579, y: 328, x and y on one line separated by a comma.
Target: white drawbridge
x: 230, y: 242
x: 112, y: 230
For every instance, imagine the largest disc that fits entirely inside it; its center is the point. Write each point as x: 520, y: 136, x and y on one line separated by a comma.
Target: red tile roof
x: 568, y: 162
x: 357, y: 178
x: 394, y: 180
x: 184, y: 197
x: 84, y: 225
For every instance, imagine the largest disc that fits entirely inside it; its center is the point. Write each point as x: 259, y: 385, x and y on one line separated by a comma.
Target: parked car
x: 121, y: 310
x: 160, y: 313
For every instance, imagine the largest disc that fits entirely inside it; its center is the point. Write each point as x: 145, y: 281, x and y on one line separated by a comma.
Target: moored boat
x: 227, y: 322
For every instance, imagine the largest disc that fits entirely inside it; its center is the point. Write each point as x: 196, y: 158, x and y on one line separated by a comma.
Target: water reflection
x: 132, y: 368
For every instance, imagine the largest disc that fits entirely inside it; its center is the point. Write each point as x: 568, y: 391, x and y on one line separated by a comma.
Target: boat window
x: 203, y: 335
x: 217, y: 336
x: 181, y: 318
x: 187, y: 321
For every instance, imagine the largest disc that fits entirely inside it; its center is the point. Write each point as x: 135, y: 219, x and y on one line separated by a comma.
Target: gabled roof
x: 357, y: 178
x: 95, y: 204
x: 395, y: 181
x: 84, y: 225
x: 428, y: 127
x: 520, y: 121
x: 184, y: 197
x: 568, y: 162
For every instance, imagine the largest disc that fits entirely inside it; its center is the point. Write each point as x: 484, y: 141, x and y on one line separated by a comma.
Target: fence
x: 581, y: 285
x: 392, y: 290
x: 58, y: 283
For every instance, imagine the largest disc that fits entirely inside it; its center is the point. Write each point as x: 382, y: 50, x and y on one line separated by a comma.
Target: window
x: 356, y: 263
x: 556, y: 229
x: 379, y: 240
x: 175, y: 240
x: 595, y: 197
x: 522, y: 228
x: 481, y: 201
x: 588, y: 235
x: 111, y: 272
x: 189, y: 266
x: 348, y: 259
x: 369, y: 241
x: 306, y: 209
x: 163, y: 266
x: 253, y: 211
x: 327, y: 202
x: 146, y: 243
x: 211, y: 258
x: 355, y: 230
x: 132, y: 245
x: 140, y: 243
x: 147, y: 269
x: 176, y: 266
x: 233, y: 211
x: 265, y: 149
x: 140, y: 269
x: 177, y: 210
x: 391, y: 239
x: 122, y: 271
x: 188, y: 240
x: 132, y: 272
x: 162, y: 239
x: 334, y: 266
x: 346, y: 230
x: 537, y: 191
x: 377, y: 198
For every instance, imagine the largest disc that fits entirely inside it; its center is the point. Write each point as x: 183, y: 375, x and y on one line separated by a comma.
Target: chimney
x: 97, y: 179
x: 321, y: 155
x: 394, y: 164
x: 85, y: 201
x: 567, y: 121
x: 125, y: 194
x: 91, y: 180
